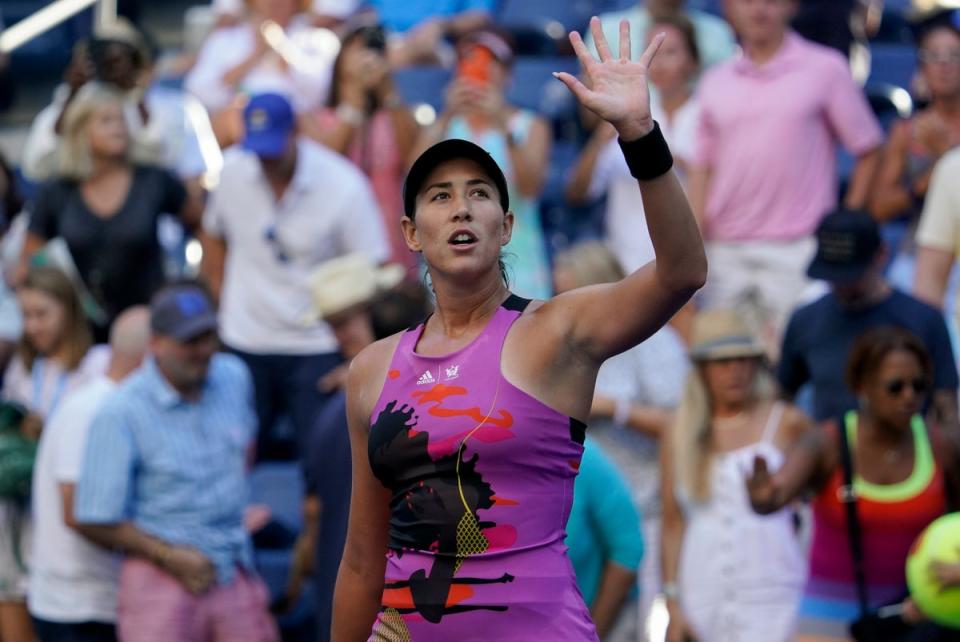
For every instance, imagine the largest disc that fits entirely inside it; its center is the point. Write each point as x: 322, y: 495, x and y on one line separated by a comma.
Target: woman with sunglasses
x: 903, y: 473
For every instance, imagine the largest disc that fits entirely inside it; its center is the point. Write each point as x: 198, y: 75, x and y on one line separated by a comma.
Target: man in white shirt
x: 73, y: 582
x: 284, y: 205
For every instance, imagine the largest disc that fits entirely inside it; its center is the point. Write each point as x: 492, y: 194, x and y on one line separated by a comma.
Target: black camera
x: 374, y: 37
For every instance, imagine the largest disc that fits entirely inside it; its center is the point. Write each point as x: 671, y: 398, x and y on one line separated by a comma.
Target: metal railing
x: 55, y: 13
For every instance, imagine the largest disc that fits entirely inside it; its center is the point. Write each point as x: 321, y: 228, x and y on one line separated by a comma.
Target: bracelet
x: 349, y: 114
x: 621, y: 413
x: 648, y: 157
x: 670, y: 590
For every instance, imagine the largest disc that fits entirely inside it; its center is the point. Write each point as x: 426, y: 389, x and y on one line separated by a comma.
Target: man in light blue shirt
x: 164, y: 481
x: 715, y: 39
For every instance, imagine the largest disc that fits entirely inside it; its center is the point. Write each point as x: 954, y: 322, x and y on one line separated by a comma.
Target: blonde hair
x: 75, y: 162
x: 692, y: 431
x: 590, y: 263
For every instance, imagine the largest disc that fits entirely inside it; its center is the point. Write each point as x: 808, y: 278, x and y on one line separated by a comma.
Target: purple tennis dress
x: 481, y: 476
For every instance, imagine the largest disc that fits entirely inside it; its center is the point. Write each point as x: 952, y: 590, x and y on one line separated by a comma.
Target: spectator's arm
x: 476, y: 15
x: 890, y: 197
x: 213, y: 239
x: 235, y: 74
x: 123, y: 537
x: 66, y: 497
x: 849, y: 116
x: 584, y: 172
x: 405, y: 127
x: 861, y: 180
x: 698, y: 187
x: 938, y: 234
x: 615, y: 586
x: 804, y: 467
x: 647, y: 420
x: 184, y: 199
x: 614, y: 515
x: 188, y: 566
x: 672, y: 529
x: 210, y: 78
x: 214, y: 260
x: 529, y: 158
x: 304, y: 550
x: 933, y: 274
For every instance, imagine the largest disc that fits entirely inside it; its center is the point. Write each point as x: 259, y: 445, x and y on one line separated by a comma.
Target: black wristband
x: 648, y: 157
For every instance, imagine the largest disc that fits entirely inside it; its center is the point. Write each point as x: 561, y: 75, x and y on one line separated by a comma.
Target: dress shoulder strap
x: 773, y: 422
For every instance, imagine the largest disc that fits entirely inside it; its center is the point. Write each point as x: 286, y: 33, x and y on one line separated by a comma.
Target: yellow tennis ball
x: 939, y: 542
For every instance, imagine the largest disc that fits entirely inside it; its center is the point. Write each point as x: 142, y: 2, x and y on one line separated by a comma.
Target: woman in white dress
x: 728, y: 574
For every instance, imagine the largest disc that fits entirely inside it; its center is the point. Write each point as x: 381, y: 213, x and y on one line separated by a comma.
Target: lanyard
x: 39, y: 365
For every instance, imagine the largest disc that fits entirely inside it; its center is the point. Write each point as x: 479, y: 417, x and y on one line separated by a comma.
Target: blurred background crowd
x: 200, y: 209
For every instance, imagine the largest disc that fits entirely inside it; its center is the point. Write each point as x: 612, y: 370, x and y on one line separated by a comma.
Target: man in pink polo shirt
x: 764, y: 172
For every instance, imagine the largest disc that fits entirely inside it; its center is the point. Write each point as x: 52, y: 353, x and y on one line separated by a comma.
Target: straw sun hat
x: 348, y: 281
x: 723, y: 334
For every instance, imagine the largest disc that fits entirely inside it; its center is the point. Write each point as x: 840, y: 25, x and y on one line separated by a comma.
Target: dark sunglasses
x: 279, y: 252
x: 896, y: 386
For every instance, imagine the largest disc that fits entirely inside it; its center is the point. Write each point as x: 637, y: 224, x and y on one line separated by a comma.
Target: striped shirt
x: 175, y: 468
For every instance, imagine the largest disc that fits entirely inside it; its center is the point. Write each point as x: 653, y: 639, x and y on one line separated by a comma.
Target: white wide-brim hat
x: 348, y: 281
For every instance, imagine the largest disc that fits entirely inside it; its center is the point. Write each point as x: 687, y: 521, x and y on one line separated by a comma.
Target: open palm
x: 619, y: 92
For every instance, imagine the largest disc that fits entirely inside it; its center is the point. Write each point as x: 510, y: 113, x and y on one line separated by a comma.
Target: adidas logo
x: 425, y: 378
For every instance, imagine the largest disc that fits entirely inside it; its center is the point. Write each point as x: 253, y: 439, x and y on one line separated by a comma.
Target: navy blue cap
x: 847, y: 243
x: 183, y: 312
x: 442, y: 152
x: 268, y: 121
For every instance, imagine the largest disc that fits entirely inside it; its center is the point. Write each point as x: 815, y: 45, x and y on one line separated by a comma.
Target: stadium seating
x: 422, y: 85
x: 50, y: 52
x: 570, y: 14
x: 892, y: 63
x: 279, y: 485
x: 534, y: 87
x: 894, y: 28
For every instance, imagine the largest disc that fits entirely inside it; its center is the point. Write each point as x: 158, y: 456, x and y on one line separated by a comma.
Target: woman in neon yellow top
x: 901, y: 477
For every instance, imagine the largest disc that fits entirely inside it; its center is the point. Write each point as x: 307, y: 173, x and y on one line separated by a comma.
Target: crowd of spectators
x: 202, y: 255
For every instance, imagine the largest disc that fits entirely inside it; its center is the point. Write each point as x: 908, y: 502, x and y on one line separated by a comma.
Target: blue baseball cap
x: 268, y: 121
x: 183, y: 312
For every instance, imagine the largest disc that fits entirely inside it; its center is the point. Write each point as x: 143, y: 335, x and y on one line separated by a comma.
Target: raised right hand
x: 190, y: 567
x: 761, y: 488
x: 458, y: 97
